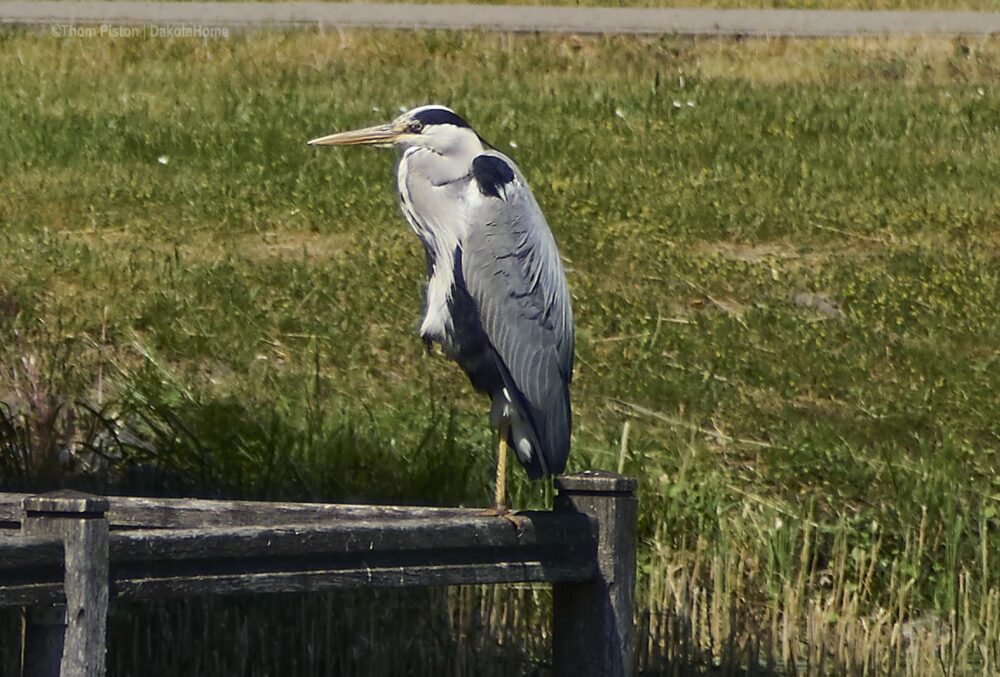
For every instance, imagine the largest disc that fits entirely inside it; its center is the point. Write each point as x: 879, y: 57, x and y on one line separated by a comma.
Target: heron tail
x: 540, y: 437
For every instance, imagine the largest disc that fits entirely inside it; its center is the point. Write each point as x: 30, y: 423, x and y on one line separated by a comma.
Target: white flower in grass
x: 163, y: 160
x: 512, y: 144
x: 677, y: 104
x: 619, y: 113
x: 690, y: 104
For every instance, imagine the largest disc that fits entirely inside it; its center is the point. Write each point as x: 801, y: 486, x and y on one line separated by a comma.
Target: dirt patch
x: 292, y: 245
x: 751, y: 253
x: 286, y: 245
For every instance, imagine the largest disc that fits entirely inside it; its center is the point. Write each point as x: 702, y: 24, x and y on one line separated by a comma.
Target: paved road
x: 784, y: 22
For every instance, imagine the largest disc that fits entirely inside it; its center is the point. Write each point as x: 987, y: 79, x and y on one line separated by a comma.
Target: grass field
x: 785, y: 264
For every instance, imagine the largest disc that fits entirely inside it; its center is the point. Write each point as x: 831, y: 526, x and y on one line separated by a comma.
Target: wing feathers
x: 512, y: 270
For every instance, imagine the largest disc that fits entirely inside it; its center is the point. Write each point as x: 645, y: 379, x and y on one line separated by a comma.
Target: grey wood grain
x: 592, y: 620
x: 586, y: 548
x: 353, y: 553
x: 133, y: 512
x: 387, y: 547
x: 18, y: 551
x: 391, y: 534
x: 33, y: 594
x: 76, y: 519
x: 364, y: 577
x: 65, y: 502
x: 31, y: 569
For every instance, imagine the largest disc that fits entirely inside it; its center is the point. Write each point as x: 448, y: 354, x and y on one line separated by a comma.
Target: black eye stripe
x: 439, y: 116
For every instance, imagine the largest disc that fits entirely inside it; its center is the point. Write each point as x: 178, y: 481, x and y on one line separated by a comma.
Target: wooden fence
x: 65, y: 555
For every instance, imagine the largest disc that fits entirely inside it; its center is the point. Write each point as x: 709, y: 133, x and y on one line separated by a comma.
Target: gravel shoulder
x: 751, y: 22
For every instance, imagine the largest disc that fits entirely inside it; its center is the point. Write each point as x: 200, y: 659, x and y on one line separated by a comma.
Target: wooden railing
x: 65, y: 555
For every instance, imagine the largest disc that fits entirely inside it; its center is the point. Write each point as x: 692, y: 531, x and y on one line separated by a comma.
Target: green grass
x: 172, y: 253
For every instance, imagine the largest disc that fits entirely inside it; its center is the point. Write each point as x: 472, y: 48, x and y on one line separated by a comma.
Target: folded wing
x: 512, y: 270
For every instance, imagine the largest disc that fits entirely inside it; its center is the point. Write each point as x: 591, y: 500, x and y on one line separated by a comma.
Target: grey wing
x: 512, y: 270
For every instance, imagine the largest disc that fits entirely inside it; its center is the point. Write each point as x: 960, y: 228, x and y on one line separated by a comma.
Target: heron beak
x: 380, y: 135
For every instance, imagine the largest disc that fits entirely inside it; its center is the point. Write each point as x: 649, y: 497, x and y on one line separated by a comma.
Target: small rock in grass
x: 821, y: 303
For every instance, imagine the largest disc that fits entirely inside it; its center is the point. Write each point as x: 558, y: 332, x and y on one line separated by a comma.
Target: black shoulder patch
x: 440, y: 116
x: 492, y: 174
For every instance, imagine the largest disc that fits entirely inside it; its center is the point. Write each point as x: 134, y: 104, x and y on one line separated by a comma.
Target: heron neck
x: 441, y: 167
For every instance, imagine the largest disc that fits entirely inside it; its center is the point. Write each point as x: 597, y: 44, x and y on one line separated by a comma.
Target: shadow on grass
x: 223, y: 448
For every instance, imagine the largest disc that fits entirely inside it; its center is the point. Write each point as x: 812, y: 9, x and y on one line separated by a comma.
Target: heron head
x: 433, y: 127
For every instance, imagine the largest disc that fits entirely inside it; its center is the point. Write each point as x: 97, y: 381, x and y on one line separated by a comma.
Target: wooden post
x: 592, y: 621
x: 69, y: 640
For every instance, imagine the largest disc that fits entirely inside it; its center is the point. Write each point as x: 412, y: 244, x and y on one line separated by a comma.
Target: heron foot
x: 503, y: 511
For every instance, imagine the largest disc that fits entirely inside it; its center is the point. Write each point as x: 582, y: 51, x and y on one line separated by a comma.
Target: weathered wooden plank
x: 452, y: 549
x: 388, y: 534
x: 364, y: 577
x: 18, y: 550
x: 388, y: 552
x: 136, y: 512
x: 183, y: 513
x: 31, y: 570
x: 32, y: 594
x: 592, y: 620
x: 10, y: 507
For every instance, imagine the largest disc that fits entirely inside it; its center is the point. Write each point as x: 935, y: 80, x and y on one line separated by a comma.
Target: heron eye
x: 416, y: 126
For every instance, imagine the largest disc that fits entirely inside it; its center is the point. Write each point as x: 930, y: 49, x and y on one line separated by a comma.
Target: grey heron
x: 497, y: 301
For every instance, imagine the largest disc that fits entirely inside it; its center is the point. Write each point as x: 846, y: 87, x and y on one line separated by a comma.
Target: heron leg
x: 500, y: 489
x: 500, y: 508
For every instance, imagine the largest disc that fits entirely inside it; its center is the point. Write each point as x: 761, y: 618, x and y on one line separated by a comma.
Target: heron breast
x: 437, y: 324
